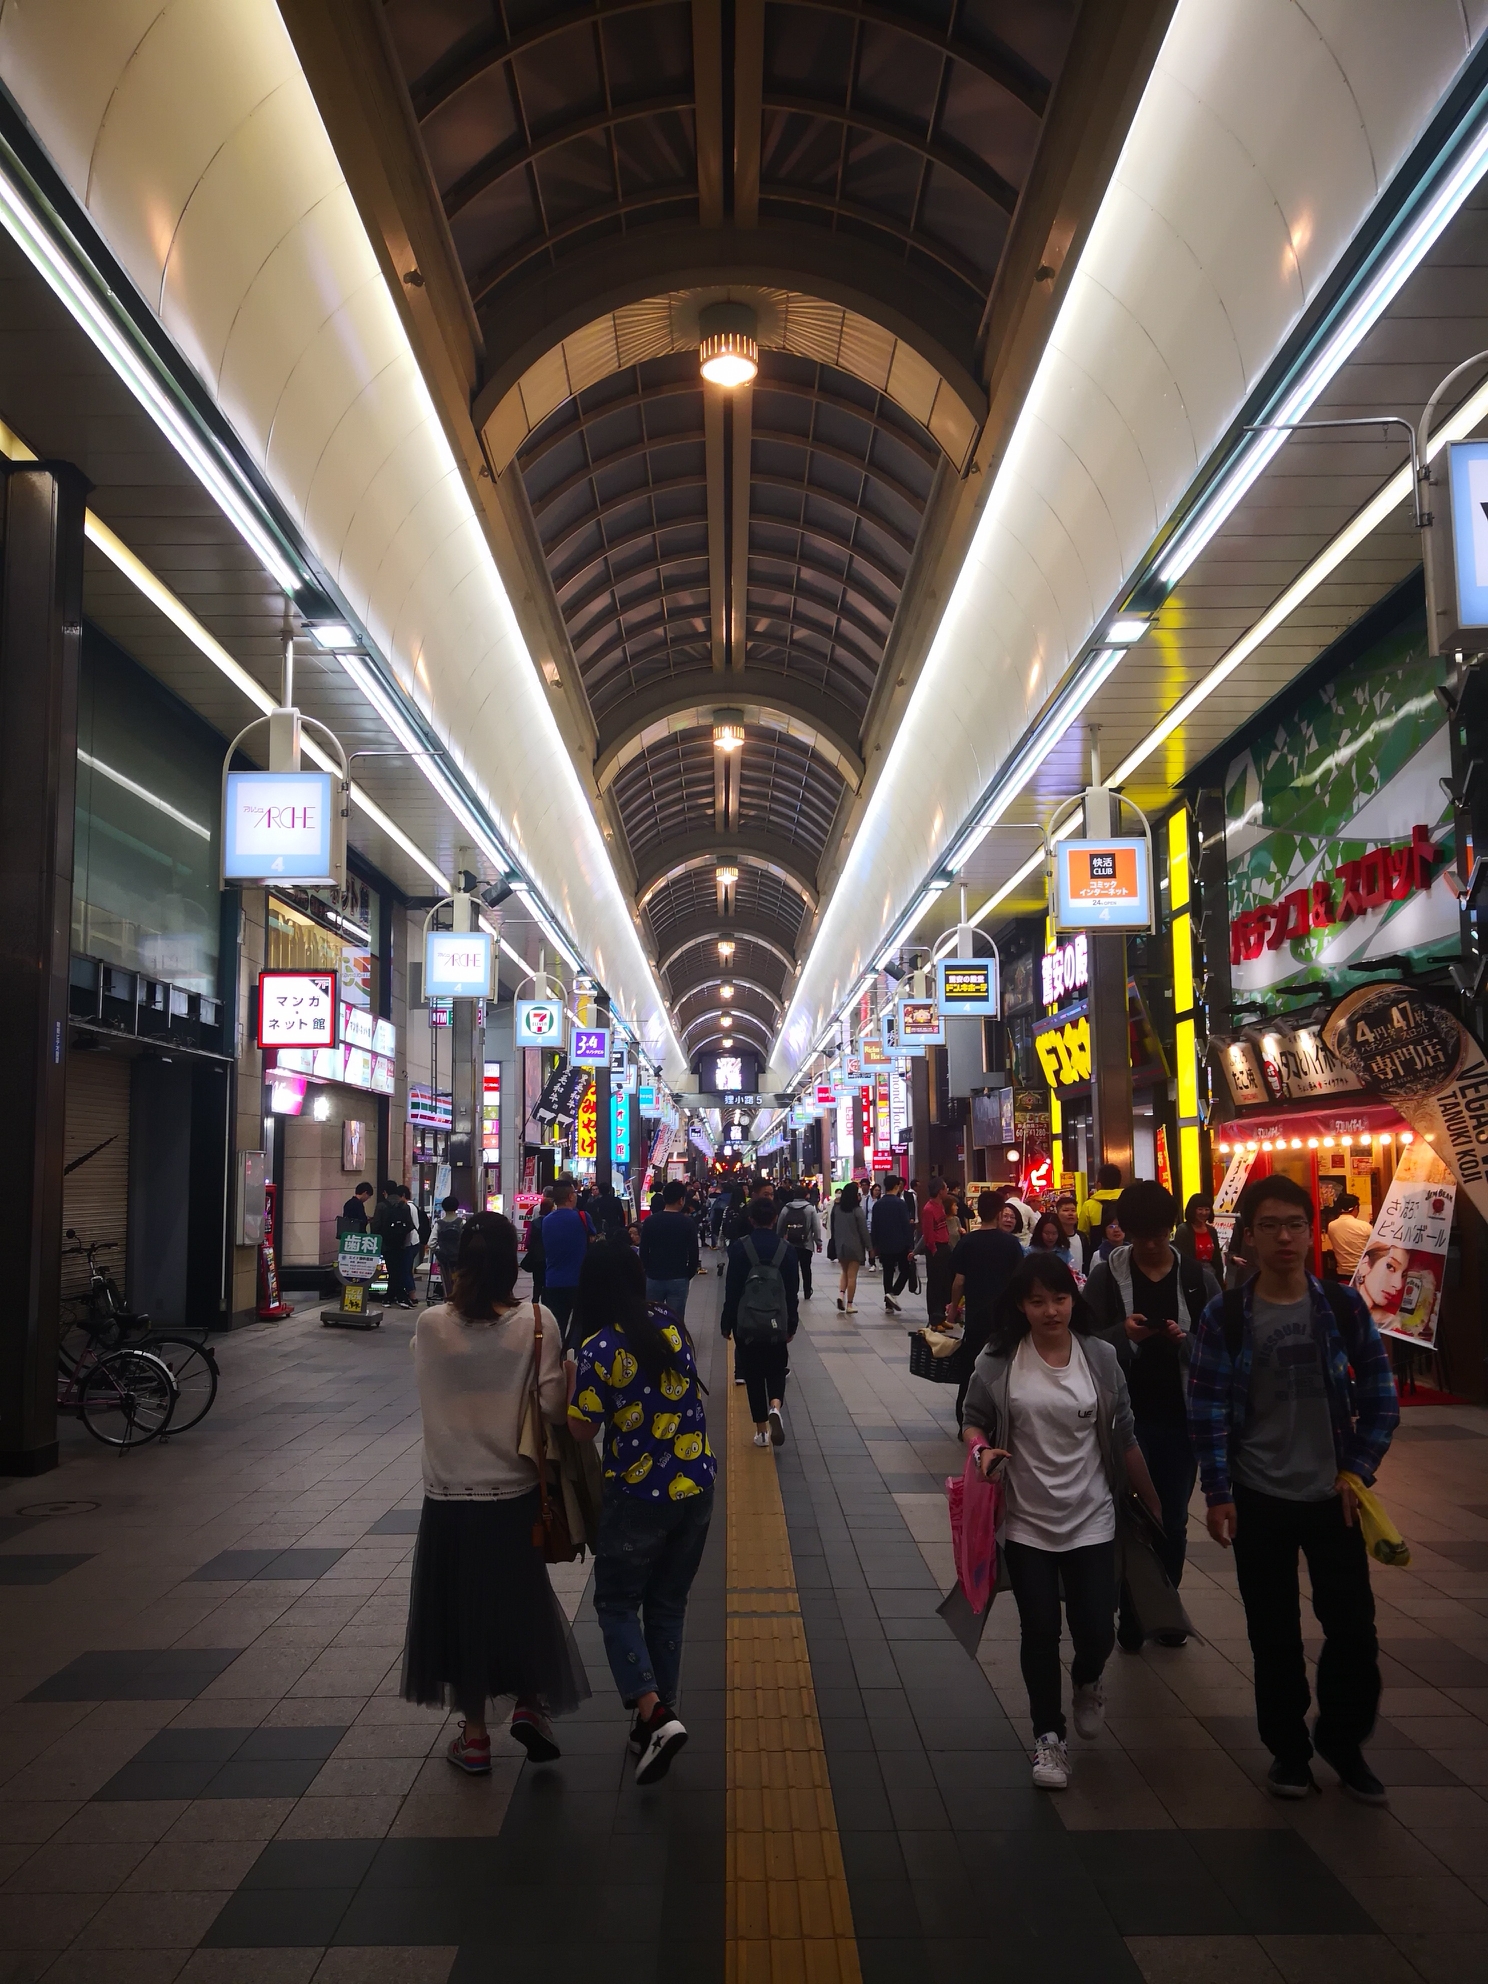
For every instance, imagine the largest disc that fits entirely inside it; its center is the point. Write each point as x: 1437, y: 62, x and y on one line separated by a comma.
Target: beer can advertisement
x: 1103, y: 885
x: 1420, y: 1058
x: 1404, y: 1260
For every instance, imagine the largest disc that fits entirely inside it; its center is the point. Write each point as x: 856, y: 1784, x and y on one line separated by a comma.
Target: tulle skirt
x: 483, y: 1621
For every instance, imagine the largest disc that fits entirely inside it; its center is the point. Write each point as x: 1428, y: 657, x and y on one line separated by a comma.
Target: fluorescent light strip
x: 1396, y: 269
x: 85, y: 307
x: 143, y: 792
x: 1395, y: 492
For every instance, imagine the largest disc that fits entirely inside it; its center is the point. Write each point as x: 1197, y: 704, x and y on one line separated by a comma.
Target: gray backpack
x: 763, y: 1316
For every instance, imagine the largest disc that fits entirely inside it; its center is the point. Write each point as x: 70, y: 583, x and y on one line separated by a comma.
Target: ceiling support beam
x: 705, y: 849
x: 707, y: 86
x: 749, y: 86
x: 742, y: 411
x: 736, y: 931
x: 715, y: 415
x: 683, y: 701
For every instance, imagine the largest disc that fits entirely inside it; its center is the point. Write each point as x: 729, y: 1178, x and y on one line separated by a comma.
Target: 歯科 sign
x: 297, y: 1009
x: 279, y: 827
x: 539, y: 1022
x: 457, y: 964
x: 1103, y: 884
x: 967, y: 986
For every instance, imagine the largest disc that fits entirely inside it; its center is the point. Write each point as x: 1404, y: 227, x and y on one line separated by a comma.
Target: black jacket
x: 392, y: 1222
x: 770, y: 1246
x: 669, y: 1246
x: 354, y: 1216
x: 890, y: 1224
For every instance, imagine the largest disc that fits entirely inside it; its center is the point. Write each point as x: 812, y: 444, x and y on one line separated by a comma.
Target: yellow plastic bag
x: 1381, y: 1538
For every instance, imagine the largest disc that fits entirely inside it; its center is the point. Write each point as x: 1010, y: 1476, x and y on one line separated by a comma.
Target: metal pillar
x: 41, y: 613
x: 603, y: 1128
x: 1110, y: 1041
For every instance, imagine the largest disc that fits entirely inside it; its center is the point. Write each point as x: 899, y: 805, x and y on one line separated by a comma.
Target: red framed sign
x: 298, y: 1009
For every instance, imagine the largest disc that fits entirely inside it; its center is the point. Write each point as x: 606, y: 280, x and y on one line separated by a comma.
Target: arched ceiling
x: 598, y: 174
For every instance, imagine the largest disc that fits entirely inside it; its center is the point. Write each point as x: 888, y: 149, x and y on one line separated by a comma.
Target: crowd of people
x: 1110, y: 1355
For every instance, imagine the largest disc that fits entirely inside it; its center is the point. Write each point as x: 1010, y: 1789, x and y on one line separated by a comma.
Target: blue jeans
x: 672, y: 1293
x: 646, y: 1560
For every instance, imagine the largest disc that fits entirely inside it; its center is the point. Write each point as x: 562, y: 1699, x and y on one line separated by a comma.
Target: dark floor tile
x: 289, y: 1778
x: 13, y: 1526
x: 950, y: 1905
x: 902, y: 1960
x: 233, y: 1566
x: 289, y: 1566
x: 181, y: 1746
x: 883, y: 1907
x: 1278, y: 1884
x: 397, y: 1522
x: 136, y: 1674
x: 151, y: 1781
x: 314, y: 1863
x: 869, y: 1857
x: 279, y: 1918
x: 36, y: 1569
x: 413, y: 1917
x: 267, y: 1746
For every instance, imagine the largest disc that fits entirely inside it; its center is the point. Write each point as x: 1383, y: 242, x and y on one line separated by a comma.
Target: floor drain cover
x: 58, y: 1509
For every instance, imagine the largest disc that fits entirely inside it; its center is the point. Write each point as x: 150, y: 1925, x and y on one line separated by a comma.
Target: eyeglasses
x: 1275, y: 1228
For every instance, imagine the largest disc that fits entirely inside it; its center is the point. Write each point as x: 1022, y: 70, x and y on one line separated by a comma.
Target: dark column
x: 1110, y: 1054
x: 466, y: 1050
x: 41, y: 609
x: 603, y: 1172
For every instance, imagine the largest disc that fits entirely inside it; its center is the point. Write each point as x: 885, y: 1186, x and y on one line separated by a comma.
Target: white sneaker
x: 1050, y: 1763
x: 762, y: 1439
x: 777, y: 1427
x: 852, y: 1308
x: 1090, y: 1711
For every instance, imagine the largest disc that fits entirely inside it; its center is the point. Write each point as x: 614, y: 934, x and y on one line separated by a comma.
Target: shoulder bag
x: 550, y: 1533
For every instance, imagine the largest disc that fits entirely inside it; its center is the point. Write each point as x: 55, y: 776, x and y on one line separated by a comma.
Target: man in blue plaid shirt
x: 1289, y: 1387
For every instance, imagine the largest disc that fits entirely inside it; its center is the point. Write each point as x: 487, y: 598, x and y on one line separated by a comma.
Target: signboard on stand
x: 591, y: 1047
x: 967, y: 986
x: 919, y: 1023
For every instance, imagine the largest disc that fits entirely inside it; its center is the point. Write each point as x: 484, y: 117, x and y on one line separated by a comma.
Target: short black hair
x: 1347, y: 1202
x: 451, y: 1204
x: 893, y: 1183
x: 989, y: 1205
x: 364, y: 1187
x: 390, y: 1186
x: 1066, y: 1199
x: 1280, y: 1190
x: 1108, y: 1177
x: 1195, y: 1203
x: 674, y: 1193
x: 1039, y: 1270
x: 761, y: 1212
x: 1147, y: 1210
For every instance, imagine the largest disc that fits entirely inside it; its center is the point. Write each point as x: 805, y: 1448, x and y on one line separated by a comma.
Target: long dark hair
x: 485, y: 1267
x: 1040, y: 1270
x: 849, y: 1196
x: 1046, y: 1222
x: 612, y: 1295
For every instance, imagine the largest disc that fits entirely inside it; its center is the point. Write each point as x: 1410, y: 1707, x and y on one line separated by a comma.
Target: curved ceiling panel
x: 207, y: 170
x: 1264, y: 136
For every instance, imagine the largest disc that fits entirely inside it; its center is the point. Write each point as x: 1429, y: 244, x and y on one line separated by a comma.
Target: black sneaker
x: 1174, y: 1638
x: 1290, y: 1780
x: 1357, y: 1779
x: 640, y: 1734
x: 665, y: 1736
x: 1130, y: 1637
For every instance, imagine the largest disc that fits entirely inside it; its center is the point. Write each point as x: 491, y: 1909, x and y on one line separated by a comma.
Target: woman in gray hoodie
x: 1047, y: 1407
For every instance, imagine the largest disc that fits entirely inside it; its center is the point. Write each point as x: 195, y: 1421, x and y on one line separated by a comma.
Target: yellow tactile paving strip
x: 787, y: 1911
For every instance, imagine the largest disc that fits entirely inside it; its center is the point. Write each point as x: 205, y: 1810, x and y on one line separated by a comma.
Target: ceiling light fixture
x: 725, y: 991
x: 332, y: 634
x: 1126, y: 630
x: 728, y: 730
x: 726, y: 947
x: 724, y: 875
x: 728, y: 348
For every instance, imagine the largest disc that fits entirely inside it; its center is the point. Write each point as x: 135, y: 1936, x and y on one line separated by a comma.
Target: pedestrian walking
x: 566, y: 1233
x: 1147, y: 1299
x: 799, y: 1225
x: 893, y: 1239
x: 1048, y: 1405
x: 1102, y: 1199
x: 1195, y: 1237
x: 636, y: 1390
x: 1289, y: 1388
x: 1079, y: 1242
x: 669, y: 1251
x: 982, y: 1266
x: 849, y: 1244
x: 483, y: 1622
x: 935, y: 1238
x: 760, y: 1313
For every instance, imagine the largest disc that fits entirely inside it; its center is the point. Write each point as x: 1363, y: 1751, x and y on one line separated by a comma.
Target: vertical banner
x: 1228, y: 1196
x: 1420, y: 1058
x: 1403, y: 1263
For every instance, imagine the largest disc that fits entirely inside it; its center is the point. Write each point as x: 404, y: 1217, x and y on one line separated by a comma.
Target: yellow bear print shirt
x: 655, y: 1443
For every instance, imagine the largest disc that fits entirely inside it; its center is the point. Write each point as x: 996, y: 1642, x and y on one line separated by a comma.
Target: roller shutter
x: 95, y: 1197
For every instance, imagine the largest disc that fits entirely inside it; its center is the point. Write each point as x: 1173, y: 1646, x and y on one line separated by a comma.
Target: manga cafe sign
x: 1383, y: 875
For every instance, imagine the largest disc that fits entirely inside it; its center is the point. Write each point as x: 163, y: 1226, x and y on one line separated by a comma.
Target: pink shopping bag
x: 974, y: 1507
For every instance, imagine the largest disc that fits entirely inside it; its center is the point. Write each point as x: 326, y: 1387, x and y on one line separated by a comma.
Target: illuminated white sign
x: 297, y: 1009
x: 728, y: 1072
x: 277, y: 827
x: 457, y: 964
x: 539, y: 1022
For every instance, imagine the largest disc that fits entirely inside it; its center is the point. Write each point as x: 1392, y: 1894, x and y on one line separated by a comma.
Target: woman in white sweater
x: 482, y: 1618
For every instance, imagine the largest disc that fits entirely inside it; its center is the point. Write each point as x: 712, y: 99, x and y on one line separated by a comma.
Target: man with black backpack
x: 800, y: 1226
x: 1148, y: 1300
x: 1289, y: 1389
x: 760, y: 1314
x: 393, y: 1222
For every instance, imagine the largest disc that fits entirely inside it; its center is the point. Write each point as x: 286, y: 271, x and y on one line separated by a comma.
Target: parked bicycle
x: 123, y: 1397
x: 105, y: 1320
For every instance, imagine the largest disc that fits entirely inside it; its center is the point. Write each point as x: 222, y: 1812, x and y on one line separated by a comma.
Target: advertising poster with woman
x: 1404, y: 1259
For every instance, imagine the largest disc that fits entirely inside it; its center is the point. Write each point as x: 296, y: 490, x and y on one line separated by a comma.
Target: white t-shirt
x: 474, y: 1382
x: 1058, y: 1497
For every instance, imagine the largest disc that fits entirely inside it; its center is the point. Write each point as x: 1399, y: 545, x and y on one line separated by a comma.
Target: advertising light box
x: 297, y: 1009
x: 967, y: 986
x: 1103, y: 884
x: 457, y: 964
x: 277, y: 826
x: 591, y: 1047
x: 1468, y: 474
x: 539, y: 1022
x: 920, y: 1023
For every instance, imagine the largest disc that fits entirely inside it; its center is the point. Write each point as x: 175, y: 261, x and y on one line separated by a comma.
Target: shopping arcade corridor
x: 319, y: 1834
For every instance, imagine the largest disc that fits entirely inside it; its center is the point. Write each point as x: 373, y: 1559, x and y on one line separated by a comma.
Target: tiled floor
x: 206, y: 1772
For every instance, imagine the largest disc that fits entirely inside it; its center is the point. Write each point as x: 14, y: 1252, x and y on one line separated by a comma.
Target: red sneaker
x: 469, y: 1755
x: 534, y: 1732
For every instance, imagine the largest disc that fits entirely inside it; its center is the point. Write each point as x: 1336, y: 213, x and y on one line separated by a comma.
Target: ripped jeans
x: 646, y: 1560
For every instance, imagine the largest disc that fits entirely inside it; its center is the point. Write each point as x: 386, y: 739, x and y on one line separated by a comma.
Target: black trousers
x: 896, y: 1272
x: 1088, y: 1576
x: 803, y: 1261
x: 561, y: 1302
x: 764, y: 1367
x: 939, y: 1274
x: 1269, y: 1532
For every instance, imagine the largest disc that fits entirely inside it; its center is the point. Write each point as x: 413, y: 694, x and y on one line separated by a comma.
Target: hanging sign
x: 1240, y: 1063
x: 561, y: 1095
x: 1402, y: 1264
x: 539, y: 1022
x: 1103, y: 884
x: 277, y: 827
x: 457, y: 964
x: 1419, y: 1057
x: 586, y: 1144
x: 967, y: 986
x: 1227, y: 1198
x: 297, y: 1009
x: 620, y: 1128
x: 1066, y: 969
x: 919, y: 1023
x: 591, y: 1047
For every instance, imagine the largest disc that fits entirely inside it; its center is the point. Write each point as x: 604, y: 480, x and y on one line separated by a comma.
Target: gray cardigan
x: 850, y: 1231
x: 987, y: 1405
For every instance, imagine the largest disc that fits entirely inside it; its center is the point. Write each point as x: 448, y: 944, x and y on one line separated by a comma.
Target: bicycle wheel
x: 194, y: 1369
x: 127, y: 1398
